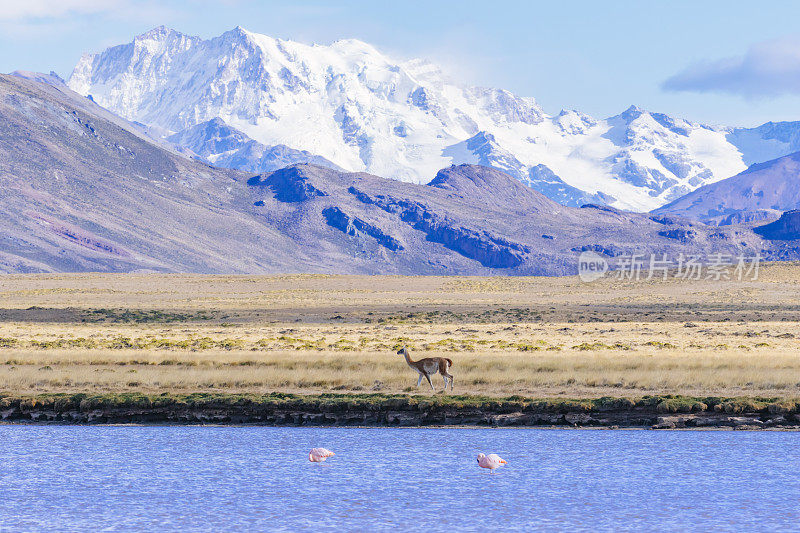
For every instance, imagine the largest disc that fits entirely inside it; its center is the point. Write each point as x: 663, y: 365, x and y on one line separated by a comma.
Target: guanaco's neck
x: 408, y: 358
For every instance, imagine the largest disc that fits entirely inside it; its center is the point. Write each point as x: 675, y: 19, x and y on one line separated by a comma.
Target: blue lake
x: 123, y: 478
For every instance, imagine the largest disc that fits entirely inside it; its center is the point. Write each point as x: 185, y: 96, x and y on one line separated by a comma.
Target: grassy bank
x: 344, y: 402
x: 402, y: 410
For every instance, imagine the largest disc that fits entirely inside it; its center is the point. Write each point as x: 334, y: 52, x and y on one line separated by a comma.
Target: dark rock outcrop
x: 786, y: 228
x: 352, y: 225
x: 609, y: 250
x: 489, y: 250
x: 288, y: 184
x: 749, y: 217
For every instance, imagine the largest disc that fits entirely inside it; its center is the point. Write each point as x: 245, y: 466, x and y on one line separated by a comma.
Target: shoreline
x: 400, y: 410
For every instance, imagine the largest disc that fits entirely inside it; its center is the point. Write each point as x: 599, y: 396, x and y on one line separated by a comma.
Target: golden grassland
x: 541, y: 337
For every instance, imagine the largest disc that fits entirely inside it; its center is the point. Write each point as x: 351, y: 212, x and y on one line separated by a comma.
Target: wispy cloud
x: 36, y: 19
x: 25, y: 10
x: 771, y: 68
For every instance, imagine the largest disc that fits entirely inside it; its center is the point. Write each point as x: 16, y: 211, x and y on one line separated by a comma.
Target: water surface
x: 68, y: 478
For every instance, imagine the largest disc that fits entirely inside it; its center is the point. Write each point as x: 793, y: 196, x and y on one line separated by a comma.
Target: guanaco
x: 430, y: 366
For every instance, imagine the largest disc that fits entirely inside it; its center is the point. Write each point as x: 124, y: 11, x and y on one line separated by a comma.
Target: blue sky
x: 721, y: 62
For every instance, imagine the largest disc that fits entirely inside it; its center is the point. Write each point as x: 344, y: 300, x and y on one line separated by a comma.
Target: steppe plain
x: 535, y: 337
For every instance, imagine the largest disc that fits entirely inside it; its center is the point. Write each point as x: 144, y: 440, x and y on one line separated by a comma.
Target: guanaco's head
x: 402, y: 351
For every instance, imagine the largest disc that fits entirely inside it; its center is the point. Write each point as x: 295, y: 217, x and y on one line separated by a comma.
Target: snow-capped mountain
x: 363, y: 111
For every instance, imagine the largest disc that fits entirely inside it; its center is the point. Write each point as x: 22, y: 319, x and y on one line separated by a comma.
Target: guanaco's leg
x: 429, y: 382
x: 419, y: 380
x: 446, y: 378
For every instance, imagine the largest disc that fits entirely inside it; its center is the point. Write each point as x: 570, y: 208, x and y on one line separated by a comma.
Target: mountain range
x: 256, y: 103
x: 248, y: 154
x: 85, y: 190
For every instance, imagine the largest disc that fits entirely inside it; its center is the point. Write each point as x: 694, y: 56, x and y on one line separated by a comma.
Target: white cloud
x: 771, y: 68
x: 23, y: 10
x: 25, y: 20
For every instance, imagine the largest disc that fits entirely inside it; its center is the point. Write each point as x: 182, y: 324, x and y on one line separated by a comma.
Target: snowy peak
x: 255, y: 82
x: 638, y: 126
x: 361, y: 110
x: 629, y: 115
x: 573, y: 122
x: 147, y: 55
x: 159, y: 34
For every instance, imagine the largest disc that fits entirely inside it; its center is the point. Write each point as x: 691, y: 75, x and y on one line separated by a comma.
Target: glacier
x: 348, y: 106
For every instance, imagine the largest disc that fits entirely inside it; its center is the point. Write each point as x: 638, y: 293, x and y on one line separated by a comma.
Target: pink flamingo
x: 318, y: 455
x: 491, y: 461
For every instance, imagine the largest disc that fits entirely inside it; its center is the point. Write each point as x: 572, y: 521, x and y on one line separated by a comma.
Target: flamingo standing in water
x: 491, y: 461
x: 319, y: 455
